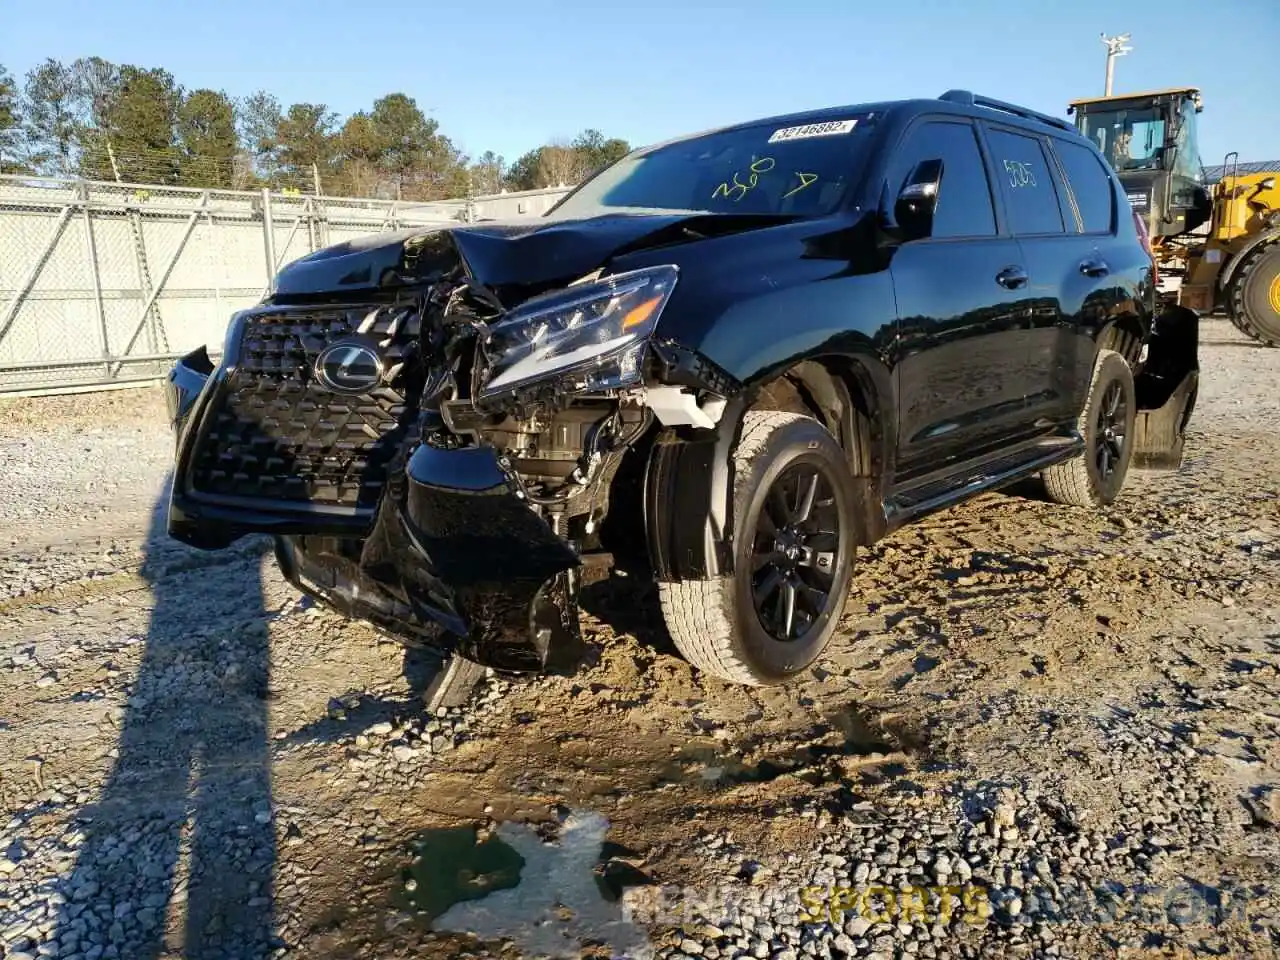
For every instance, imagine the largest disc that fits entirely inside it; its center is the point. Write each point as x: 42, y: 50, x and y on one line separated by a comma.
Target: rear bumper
x: 452, y: 556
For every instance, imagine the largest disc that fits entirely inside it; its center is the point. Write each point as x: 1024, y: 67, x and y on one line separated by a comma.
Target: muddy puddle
x: 551, y: 886
x: 452, y: 865
x: 547, y: 890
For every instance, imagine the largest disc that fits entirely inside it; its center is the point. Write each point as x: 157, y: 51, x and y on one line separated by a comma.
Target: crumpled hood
x: 498, y: 254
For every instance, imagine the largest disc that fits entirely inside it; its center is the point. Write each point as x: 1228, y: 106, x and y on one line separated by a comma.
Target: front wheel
x: 794, y: 499
x: 1095, y: 477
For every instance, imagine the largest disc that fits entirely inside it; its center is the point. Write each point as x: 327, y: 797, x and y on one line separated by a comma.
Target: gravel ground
x: 1042, y: 732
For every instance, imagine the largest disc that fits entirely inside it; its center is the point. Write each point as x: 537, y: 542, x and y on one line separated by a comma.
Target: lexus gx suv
x: 723, y: 363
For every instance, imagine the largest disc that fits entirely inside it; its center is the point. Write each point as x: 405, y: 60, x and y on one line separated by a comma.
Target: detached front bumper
x: 1166, y: 389
x: 452, y: 556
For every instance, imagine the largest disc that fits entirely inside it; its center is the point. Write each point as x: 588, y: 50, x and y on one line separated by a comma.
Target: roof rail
x: 970, y: 99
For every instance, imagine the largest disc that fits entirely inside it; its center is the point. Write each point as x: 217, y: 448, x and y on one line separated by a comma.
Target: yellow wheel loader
x: 1217, y: 246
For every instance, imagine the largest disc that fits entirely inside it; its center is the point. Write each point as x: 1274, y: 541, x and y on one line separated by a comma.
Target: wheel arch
x: 688, y: 488
x: 1125, y: 335
x: 841, y: 393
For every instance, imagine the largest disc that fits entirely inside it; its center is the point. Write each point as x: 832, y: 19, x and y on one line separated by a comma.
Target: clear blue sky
x: 508, y: 75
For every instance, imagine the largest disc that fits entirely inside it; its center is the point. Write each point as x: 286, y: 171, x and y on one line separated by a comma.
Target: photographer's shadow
x: 181, y: 842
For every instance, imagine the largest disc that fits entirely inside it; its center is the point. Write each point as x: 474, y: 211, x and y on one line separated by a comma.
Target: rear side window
x: 1089, y: 183
x: 964, y: 206
x: 1030, y: 197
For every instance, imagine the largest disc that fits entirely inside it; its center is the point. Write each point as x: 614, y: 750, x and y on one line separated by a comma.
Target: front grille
x: 276, y: 434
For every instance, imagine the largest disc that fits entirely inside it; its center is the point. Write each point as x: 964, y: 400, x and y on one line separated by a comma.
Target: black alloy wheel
x: 795, y: 552
x: 1095, y: 476
x: 798, y: 506
x: 1109, y: 431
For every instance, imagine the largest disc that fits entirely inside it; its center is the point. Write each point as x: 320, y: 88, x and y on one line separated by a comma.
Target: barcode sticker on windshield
x: 825, y: 129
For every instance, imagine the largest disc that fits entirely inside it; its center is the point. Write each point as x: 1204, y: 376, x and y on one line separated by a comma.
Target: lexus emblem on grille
x: 348, y: 368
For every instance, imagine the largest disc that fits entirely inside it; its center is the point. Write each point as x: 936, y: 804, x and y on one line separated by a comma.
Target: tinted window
x: 775, y: 168
x: 964, y: 195
x: 1089, y: 183
x: 1129, y: 139
x: 1030, y: 198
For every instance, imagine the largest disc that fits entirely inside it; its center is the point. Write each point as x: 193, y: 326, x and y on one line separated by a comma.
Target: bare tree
x: 560, y: 164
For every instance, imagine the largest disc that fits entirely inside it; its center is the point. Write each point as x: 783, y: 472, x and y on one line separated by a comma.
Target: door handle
x: 1011, y: 278
x: 1094, y: 268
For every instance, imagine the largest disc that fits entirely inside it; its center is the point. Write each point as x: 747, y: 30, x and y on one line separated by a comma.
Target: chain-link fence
x: 104, y: 283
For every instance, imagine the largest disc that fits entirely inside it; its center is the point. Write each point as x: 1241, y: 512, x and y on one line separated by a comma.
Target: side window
x: 1090, y: 184
x: 964, y: 197
x: 1030, y: 197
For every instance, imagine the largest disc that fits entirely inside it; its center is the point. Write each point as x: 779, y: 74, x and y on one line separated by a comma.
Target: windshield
x: 1187, y: 161
x: 800, y: 170
x: 1129, y: 139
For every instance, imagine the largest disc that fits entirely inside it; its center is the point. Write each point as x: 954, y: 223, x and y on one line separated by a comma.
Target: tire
x: 1254, y: 299
x: 716, y: 624
x: 1095, y: 477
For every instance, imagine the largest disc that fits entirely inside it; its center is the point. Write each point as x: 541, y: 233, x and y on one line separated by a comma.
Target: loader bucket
x: 1166, y: 389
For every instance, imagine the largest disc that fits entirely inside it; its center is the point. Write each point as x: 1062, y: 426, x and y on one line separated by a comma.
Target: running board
x: 936, y: 493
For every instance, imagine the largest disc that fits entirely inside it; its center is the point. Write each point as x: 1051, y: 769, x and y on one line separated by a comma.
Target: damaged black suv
x: 723, y: 362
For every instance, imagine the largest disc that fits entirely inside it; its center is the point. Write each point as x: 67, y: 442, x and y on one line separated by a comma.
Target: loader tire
x: 1254, y: 300
x: 793, y: 557
x: 1094, y: 477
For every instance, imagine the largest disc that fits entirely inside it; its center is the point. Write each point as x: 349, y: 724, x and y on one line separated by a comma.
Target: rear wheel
x: 793, y: 555
x: 1254, y: 301
x: 1095, y: 477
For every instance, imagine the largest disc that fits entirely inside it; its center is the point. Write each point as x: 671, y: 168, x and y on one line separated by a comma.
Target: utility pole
x: 1115, y: 48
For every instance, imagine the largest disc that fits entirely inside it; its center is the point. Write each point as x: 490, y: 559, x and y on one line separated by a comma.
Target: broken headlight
x: 593, y: 335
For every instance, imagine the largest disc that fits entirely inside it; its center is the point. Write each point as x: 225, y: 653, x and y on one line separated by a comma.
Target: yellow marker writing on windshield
x: 757, y: 167
x: 805, y: 180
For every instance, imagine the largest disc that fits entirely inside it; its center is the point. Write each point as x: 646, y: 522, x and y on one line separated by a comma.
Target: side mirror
x: 917, y: 200
x: 1267, y: 183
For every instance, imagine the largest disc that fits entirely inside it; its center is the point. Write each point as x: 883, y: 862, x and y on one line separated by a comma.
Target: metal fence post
x: 154, y: 296
x: 311, y: 224
x: 269, y: 238
x: 213, y: 245
x: 145, y: 287
x: 95, y: 275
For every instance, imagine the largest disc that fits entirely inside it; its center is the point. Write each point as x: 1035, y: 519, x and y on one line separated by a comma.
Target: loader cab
x: 1150, y: 141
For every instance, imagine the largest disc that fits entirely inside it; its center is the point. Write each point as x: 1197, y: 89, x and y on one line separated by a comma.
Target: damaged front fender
x: 688, y: 499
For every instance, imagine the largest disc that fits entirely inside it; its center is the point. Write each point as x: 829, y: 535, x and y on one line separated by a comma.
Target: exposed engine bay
x: 437, y: 454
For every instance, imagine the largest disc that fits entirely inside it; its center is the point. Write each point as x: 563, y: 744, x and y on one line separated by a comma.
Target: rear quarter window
x: 1022, y: 169
x: 1089, y: 183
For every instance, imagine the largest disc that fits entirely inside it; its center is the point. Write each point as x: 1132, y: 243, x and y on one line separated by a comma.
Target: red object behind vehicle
x: 1145, y: 237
